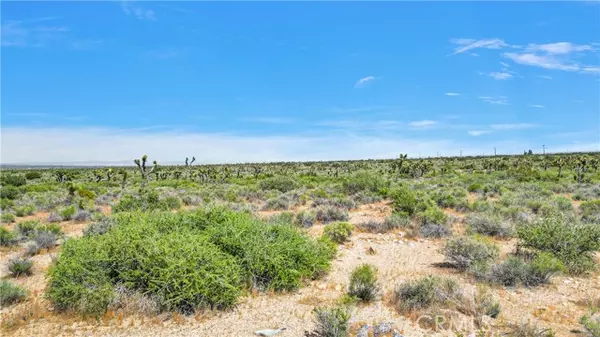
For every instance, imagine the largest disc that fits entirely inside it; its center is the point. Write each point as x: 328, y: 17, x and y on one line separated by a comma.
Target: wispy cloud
x: 452, y: 94
x: 539, y: 106
x: 476, y: 133
x: 364, y: 81
x: 542, y: 61
x: 464, y: 45
x: 138, y: 12
x: 496, y: 100
x: 268, y: 120
x: 500, y: 75
x: 545, y: 77
x: 516, y: 126
x: 558, y: 48
x: 30, y: 33
x: 424, y: 124
x: 177, y: 9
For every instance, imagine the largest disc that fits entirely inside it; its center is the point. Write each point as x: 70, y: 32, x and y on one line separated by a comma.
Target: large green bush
x: 9, y: 192
x: 185, y: 260
x: 363, y: 282
x: 572, y: 243
x: 364, y: 181
x: 404, y: 200
x: 590, y: 211
x: 279, y: 183
x: 470, y: 252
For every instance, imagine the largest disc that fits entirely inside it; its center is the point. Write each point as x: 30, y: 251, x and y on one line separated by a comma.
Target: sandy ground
x: 558, y: 305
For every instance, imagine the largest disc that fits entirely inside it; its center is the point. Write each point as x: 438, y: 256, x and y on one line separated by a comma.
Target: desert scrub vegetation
x: 363, y: 283
x: 465, y: 253
x: 572, y: 243
x: 186, y: 260
x: 339, y: 231
x: 533, y: 272
x: 425, y: 292
x: 20, y: 267
x: 11, y: 293
x: 331, y: 322
x: 489, y: 224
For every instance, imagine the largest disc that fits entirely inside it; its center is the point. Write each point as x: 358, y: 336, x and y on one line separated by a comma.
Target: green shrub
x: 573, y: 244
x: 489, y: 224
x: 14, y: 180
x: 277, y: 204
x: 11, y: 293
x: 45, y: 240
x: 7, y: 238
x: 475, y: 187
x: 590, y: 211
x: 425, y: 292
x: 404, y: 200
x: 7, y: 218
x: 185, y: 260
x: 9, y: 192
x: 52, y: 228
x: 363, y: 283
x: 147, y: 201
x: 363, y: 181
x: 532, y: 273
x: 67, y: 213
x: 6, y: 204
x: 339, y: 231
x: 86, y: 194
x: 27, y: 228
x: 434, y: 231
x: 397, y: 220
x: 18, y: 267
x: 33, y: 175
x: 591, y: 324
x: 275, y: 257
x: 279, y: 183
x: 25, y: 210
x: 331, y: 322
x: 468, y: 252
x: 432, y: 215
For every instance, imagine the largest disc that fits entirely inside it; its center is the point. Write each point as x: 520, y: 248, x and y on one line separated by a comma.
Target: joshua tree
x: 397, y: 163
x: 109, y: 173
x: 189, y: 163
x: 124, y: 179
x: 144, y: 170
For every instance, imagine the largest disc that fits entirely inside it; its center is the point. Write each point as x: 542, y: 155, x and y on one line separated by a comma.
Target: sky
x: 103, y: 82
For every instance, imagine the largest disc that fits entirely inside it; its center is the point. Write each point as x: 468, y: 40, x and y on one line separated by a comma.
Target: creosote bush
x: 185, y: 261
x: 516, y: 270
x: 339, y: 231
x: 7, y: 238
x: 280, y: 183
x: 571, y: 243
x: 363, y: 283
x: 404, y: 200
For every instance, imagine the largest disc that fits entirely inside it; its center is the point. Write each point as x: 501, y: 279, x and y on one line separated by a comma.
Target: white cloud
x: 558, y: 48
x: 539, y: 106
x: 140, y: 13
x: 477, y: 133
x: 517, y: 126
x: 500, y: 75
x: 424, y: 124
x: 28, y: 33
x: 364, y: 81
x: 464, y: 45
x: 504, y: 64
x: 593, y: 70
x: 545, y: 77
x: 496, y: 100
x: 452, y: 94
x: 542, y: 61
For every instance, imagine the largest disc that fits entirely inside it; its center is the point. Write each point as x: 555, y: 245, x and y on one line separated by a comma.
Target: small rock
x: 381, y: 329
x: 363, y: 331
x: 410, y: 244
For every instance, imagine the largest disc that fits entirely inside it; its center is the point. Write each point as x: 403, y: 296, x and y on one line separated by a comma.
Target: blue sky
x: 261, y: 81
